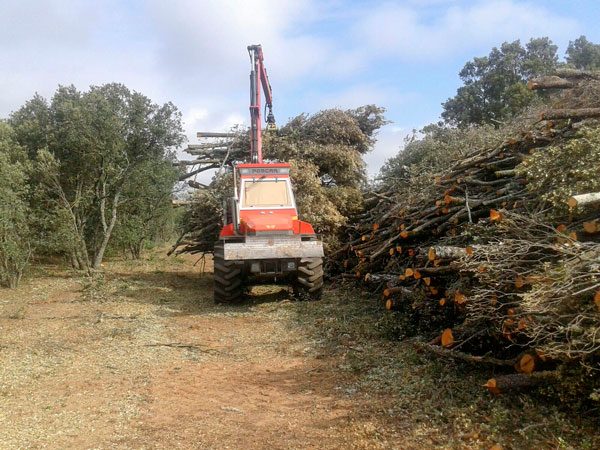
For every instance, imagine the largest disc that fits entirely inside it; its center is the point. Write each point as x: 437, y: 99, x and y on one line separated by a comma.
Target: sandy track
x: 145, y: 360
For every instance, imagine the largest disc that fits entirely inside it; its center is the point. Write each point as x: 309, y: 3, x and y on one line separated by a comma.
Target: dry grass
x: 434, y: 402
x: 81, y: 369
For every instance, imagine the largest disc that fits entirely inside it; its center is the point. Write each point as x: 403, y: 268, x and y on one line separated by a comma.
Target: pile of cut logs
x: 204, y: 216
x: 460, y: 258
x: 214, y: 152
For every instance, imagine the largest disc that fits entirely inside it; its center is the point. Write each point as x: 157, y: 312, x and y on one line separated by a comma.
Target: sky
x: 402, y: 55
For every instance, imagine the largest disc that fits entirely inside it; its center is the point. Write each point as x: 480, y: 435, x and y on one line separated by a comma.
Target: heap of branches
x: 325, y: 151
x: 495, y: 255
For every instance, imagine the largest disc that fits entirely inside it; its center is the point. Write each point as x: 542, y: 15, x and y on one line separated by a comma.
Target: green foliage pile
x: 435, y: 147
x: 328, y: 171
x: 566, y: 169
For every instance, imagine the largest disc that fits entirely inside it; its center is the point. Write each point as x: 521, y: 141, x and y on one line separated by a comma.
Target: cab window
x: 266, y: 194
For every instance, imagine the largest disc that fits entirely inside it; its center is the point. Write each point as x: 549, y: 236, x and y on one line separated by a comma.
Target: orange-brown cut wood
x: 459, y: 297
x: 447, y: 338
x: 431, y: 254
x: 495, y: 216
x: 527, y: 363
x: 591, y: 227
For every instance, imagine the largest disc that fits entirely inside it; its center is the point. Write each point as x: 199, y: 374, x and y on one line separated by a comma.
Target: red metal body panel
x: 298, y: 226
x: 227, y: 231
x: 267, y: 220
x: 303, y: 227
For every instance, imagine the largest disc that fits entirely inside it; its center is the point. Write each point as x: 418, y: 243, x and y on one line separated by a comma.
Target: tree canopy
x: 93, y: 151
x: 495, y: 85
x: 16, y: 245
x: 583, y: 54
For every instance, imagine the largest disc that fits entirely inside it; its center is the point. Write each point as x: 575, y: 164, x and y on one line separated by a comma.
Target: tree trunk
x: 520, y: 382
x: 578, y: 74
x: 83, y: 259
x: 107, y: 228
x: 80, y: 250
x: 136, y: 250
x: 574, y: 114
x: 584, y: 199
x: 552, y: 82
x: 74, y: 260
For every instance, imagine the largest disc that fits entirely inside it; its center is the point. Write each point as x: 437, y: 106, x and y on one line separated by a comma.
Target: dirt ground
x: 140, y: 357
x: 143, y: 359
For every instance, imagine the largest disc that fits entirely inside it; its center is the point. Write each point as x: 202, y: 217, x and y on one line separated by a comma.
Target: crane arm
x: 258, y: 78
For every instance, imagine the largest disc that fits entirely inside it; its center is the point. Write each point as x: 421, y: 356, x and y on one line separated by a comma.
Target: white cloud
x: 407, y: 32
x: 389, y: 142
x: 387, y: 95
x: 207, y: 40
x: 319, y: 53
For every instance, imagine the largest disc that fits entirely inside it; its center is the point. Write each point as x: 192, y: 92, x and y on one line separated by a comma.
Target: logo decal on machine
x: 264, y: 170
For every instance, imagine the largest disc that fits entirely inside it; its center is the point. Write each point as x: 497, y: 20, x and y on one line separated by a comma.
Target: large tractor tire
x: 309, y: 281
x: 229, y: 277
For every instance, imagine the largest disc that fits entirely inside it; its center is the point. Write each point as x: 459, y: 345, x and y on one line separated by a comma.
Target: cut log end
x: 431, y: 254
x: 495, y: 216
x: 527, y: 363
x: 460, y: 298
x: 447, y: 338
x: 591, y: 227
x: 519, y: 382
x: 491, y: 386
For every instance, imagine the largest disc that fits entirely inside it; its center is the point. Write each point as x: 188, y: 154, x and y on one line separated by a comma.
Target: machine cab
x: 266, y: 201
x: 263, y: 202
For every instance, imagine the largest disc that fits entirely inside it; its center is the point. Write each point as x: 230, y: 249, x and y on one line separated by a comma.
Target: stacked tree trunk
x: 462, y: 255
x: 204, y: 216
x: 215, y: 151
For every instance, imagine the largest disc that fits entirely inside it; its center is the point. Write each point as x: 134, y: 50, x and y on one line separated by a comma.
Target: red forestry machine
x: 263, y: 240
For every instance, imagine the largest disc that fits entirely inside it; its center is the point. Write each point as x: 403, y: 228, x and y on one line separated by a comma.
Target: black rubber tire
x: 309, y: 280
x: 229, y: 278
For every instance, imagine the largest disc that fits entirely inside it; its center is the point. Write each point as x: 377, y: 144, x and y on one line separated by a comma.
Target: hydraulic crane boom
x: 258, y: 78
